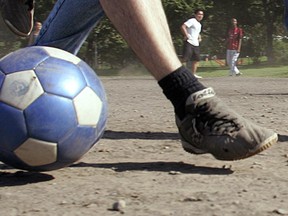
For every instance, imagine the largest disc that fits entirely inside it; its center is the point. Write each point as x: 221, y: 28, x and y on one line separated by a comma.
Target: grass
x: 209, y: 69
x: 248, y: 70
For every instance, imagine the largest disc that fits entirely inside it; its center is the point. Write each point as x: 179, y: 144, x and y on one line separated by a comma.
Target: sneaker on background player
x: 212, y: 127
x: 18, y: 16
x: 197, y: 76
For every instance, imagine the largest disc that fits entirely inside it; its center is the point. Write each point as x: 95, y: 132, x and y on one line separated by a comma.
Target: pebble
x: 174, y: 173
x: 281, y: 211
x: 120, y: 205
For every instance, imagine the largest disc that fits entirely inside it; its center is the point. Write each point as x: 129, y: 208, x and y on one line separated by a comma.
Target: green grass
x: 209, y: 69
x: 261, y: 70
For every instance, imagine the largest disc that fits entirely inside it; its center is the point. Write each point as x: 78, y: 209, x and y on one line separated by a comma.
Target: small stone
x: 174, y: 173
x: 227, y: 166
x: 119, y: 206
x: 281, y: 211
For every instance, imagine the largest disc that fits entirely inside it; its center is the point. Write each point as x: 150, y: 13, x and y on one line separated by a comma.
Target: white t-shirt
x: 193, y: 29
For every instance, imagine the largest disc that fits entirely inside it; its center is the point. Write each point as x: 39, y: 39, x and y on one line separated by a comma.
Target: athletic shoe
x: 197, y: 76
x: 239, y: 74
x: 18, y: 15
x: 212, y: 127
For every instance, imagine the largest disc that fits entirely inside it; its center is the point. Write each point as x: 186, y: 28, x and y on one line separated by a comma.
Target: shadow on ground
x: 282, y: 138
x: 159, y: 166
x: 140, y: 135
x: 23, y: 178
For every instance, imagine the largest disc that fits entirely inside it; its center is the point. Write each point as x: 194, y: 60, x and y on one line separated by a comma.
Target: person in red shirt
x: 234, y: 41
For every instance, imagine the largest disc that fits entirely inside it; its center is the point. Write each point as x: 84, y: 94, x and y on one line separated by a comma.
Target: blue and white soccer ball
x: 53, y: 108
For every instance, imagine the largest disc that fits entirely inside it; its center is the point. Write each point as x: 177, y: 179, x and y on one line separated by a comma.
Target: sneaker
x: 18, y: 15
x: 197, y: 76
x: 212, y: 127
x: 239, y: 74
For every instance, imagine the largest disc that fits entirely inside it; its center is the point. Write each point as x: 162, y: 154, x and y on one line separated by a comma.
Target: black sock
x: 177, y: 86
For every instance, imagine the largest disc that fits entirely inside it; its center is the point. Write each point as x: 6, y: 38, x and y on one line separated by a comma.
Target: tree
x: 260, y: 19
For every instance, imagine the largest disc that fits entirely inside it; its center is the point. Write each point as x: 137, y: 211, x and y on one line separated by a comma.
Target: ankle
x: 178, y: 86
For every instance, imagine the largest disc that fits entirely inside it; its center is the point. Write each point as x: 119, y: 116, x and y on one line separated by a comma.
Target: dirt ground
x: 140, y: 162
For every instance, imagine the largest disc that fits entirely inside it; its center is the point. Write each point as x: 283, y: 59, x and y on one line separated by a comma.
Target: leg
x: 186, y: 55
x: 66, y: 27
x: 146, y: 17
x: 195, y: 60
x: 229, y: 61
x: 194, y: 67
x: 234, y: 63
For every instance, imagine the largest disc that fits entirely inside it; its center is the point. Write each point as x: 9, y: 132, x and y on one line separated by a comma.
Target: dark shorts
x: 190, y: 52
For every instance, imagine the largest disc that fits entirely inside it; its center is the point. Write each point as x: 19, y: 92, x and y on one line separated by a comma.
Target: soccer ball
x: 53, y: 108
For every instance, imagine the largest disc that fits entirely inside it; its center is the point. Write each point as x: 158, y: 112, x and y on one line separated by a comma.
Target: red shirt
x: 234, y: 35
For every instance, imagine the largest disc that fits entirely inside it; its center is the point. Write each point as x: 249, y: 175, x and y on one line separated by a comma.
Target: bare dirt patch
x: 140, y: 161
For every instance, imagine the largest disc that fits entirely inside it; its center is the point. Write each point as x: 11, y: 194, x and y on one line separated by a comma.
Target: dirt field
x: 140, y: 161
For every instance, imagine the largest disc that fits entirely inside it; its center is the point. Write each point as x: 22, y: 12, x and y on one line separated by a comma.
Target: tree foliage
x: 262, y: 21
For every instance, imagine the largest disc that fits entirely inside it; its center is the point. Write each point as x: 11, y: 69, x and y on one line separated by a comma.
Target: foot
x: 238, y: 74
x: 212, y: 127
x: 197, y: 76
x: 18, y: 16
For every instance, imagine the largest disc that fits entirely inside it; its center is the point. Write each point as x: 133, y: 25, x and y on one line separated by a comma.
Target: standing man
x: 191, y: 30
x: 234, y: 42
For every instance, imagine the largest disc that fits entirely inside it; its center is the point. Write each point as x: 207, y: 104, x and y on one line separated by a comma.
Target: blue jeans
x: 69, y: 24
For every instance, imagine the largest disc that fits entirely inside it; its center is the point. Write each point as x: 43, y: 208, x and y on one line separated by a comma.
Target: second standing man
x: 191, y: 30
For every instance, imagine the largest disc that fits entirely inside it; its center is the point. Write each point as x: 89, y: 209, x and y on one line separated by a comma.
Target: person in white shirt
x: 191, y: 30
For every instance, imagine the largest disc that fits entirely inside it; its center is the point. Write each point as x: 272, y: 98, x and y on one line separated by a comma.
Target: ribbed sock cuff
x: 177, y: 86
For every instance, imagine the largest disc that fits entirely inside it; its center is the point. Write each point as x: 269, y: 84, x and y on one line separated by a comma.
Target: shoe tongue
x: 202, y: 95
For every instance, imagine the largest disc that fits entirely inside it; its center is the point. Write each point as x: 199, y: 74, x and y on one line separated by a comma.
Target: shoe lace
x: 217, y: 122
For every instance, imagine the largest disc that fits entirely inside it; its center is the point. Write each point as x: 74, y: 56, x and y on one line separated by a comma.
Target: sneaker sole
x: 263, y: 146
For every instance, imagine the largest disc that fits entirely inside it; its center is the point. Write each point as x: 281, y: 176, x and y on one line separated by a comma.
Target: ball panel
x: 50, y: 118
x: 13, y: 130
x: 21, y: 89
x: 61, y: 54
x: 37, y: 152
x: 2, y: 77
x: 11, y: 159
x: 95, y: 83
x: 92, y: 80
x: 88, y: 107
x: 60, y: 77
x: 72, y: 148
x: 23, y: 59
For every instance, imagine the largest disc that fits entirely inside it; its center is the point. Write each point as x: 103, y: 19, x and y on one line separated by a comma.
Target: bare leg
x: 194, y: 67
x: 152, y: 43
